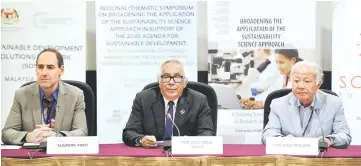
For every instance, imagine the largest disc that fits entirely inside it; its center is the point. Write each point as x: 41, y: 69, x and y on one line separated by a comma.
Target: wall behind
x: 321, y: 54
x: 324, y: 33
x: 90, y: 36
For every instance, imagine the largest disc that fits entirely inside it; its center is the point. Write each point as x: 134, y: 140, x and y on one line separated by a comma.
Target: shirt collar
x: 312, y: 104
x: 54, y: 94
x: 166, y: 102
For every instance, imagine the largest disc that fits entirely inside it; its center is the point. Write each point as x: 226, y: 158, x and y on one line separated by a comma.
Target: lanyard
x: 51, y: 113
x: 309, y: 120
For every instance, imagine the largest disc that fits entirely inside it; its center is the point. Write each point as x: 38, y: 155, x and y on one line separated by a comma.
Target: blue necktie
x: 169, y: 124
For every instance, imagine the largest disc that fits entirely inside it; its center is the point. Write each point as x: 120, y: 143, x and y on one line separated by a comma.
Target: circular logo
x: 9, y: 16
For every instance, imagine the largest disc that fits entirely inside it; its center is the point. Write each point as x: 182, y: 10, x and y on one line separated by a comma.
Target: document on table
x: 10, y: 147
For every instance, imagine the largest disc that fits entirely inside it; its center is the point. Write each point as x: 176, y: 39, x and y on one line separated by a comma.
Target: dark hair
x: 289, y: 54
x: 57, y: 53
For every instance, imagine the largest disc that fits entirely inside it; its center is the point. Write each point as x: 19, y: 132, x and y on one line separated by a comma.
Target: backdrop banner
x: 346, y: 60
x: 133, y: 39
x: 242, y: 38
x: 27, y: 28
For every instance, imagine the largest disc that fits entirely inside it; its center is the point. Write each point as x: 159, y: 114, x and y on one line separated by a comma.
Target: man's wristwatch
x: 59, y: 134
x: 330, y: 138
x: 138, y: 141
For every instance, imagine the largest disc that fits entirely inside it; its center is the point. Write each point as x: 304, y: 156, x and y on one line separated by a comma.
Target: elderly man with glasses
x: 154, y: 110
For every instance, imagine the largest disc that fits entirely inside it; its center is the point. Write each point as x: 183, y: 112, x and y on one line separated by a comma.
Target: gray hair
x: 318, y: 71
x: 176, y: 61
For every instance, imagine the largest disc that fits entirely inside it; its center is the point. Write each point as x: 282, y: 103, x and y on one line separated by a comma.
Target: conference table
x: 239, y: 154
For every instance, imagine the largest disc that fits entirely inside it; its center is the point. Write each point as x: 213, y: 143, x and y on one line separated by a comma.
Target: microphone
x: 170, y: 117
x: 167, y: 145
x: 322, y: 145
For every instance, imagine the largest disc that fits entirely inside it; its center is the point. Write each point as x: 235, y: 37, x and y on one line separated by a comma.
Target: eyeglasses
x: 167, y: 78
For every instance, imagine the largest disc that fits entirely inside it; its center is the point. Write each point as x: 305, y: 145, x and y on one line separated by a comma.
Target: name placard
x: 197, y: 145
x: 292, y: 146
x: 72, y: 145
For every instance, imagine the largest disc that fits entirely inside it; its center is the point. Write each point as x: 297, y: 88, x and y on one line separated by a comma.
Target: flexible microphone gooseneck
x: 322, y: 145
x: 167, y: 145
x: 170, y: 117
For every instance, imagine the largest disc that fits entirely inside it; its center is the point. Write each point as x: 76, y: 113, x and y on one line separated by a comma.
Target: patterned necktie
x: 48, y: 103
x: 169, y: 124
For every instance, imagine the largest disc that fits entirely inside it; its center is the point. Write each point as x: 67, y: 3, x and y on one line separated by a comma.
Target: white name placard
x: 197, y: 145
x: 292, y: 146
x: 72, y: 145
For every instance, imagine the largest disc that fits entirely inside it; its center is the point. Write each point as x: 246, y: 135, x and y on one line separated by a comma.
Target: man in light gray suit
x: 307, y: 110
x: 46, y: 108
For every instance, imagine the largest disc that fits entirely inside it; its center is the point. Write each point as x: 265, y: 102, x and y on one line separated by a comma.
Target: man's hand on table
x: 149, y: 141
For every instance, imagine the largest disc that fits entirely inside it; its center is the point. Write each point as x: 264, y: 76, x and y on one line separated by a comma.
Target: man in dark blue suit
x: 154, y: 109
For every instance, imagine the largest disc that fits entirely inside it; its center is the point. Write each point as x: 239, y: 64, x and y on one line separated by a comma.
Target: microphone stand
x: 167, y: 145
x: 322, y: 145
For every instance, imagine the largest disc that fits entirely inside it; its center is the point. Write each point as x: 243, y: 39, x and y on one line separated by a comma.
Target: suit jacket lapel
x: 34, y: 100
x: 60, y: 106
x: 294, y: 116
x: 181, y: 113
x: 158, y: 110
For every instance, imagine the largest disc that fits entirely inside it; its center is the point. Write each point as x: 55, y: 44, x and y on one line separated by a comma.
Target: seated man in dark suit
x: 153, y: 110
